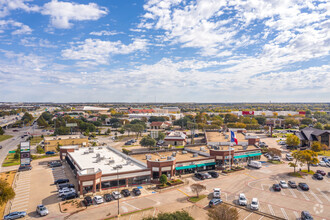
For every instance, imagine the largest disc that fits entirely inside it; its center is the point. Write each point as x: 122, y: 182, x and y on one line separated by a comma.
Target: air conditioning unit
x: 184, y: 152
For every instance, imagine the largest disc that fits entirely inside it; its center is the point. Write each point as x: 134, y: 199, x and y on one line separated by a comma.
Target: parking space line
x: 284, y: 213
x: 271, y: 209
x: 315, y: 196
x: 293, y: 194
x: 131, y: 205
x: 324, y: 195
x: 20, y: 206
x: 282, y: 192
x: 304, y: 195
x: 240, y: 210
x: 21, y: 199
x: 22, y: 189
x: 22, y: 194
x: 296, y: 214
x: 20, y: 203
x: 248, y: 216
x: 261, y: 217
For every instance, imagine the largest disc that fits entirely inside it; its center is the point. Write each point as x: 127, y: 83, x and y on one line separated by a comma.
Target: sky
x: 165, y: 51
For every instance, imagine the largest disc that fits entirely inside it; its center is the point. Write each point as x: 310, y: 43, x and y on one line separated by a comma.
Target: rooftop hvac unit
x: 169, y: 158
x: 102, y: 158
x: 148, y: 157
x: 86, y: 152
x: 174, y: 154
x: 111, y: 161
x: 202, y: 148
x: 226, y: 136
x: 97, y: 155
x: 120, y: 166
x: 99, y: 148
x: 195, y: 155
x: 184, y: 152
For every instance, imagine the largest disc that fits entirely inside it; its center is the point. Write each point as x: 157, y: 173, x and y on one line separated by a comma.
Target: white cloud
x: 100, y: 51
x: 34, y: 42
x: 105, y: 33
x: 17, y: 27
x: 62, y: 13
x: 8, y: 5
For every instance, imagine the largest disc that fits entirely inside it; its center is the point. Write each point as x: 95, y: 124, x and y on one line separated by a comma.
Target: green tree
x: 137, y: 129
x: 324, y: 147
x: 6, y: 192
x: 236, y: 125
x: 291, y: 122
x: 306, y: 121
x: 161, y: 136
x: 147, y: 141
x: 327, y: 127
x: 316, y: 146
x: 309, y: 157
x: 274, y: 152
x: 297, y: 155
x: 197, y: 188
x: 292, y: 140
x: 1, y: 131
x: 121, y: 130
x: 42, y: 122
x: 223, y: 212
x: 261, y: 120
x: 230, y: 118
x: 163, y: 179
x: 318, y: 125
x: 178, y: 215
x: 302, y: 127
x: 108, y: 131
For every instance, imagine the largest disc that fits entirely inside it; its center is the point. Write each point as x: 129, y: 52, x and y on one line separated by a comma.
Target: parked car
x: 322, y: 164
x: 0, y: 147
x: 199, y: 176
x: 215, y: 202
x: 325, y: 159
x: 116, y: 195
x: 288, y: 157
x: 69, y: 196
x: 214, y: 174
x: 276, y: 187
x: 66, y: 185
x: 303, y: 186
x: 128, y: 143
x: 65, y: 191
x: 24, y: 168
x: 59, y: 181
x: 108, y: 197
x: 254, y: 204
x: 125, y: 192
x: 277, y: 158
x: 42, y: 210
x: 242, y: 199
x: 55, y: 164
x: 50, y: 152
x: 15, y: 215
x: 321, y: 172
x: 216, y: 193
x: 292, y: 184
x: 305, y: 215
x: 207, y: 175
x: 283, y: 184
x: 98, y: 199
x: 136, y: 191
x: 281, y: 142
x: 314, y: 164
x: 318, y: 176
x: 88, y: 201
x: 263, y: 144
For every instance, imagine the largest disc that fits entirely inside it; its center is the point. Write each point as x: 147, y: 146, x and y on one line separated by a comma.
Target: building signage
x: 195, y: 163
x: 25, y: 146
x: 247, y: 153
x: 25, y: 153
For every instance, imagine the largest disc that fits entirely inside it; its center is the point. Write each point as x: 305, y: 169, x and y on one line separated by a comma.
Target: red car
x: 321, y: 172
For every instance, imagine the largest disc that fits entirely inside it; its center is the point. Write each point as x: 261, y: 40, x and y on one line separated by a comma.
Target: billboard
x: 247, y: 112
x: 25, y: 153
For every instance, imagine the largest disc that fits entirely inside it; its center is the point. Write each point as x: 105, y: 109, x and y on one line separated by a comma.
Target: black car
x: 303, y: 186
x: 66, y: 185
x: 125, y: 192
x: 200, y: 176
x: 214, y: 174
x: 88, y: 201
x: 292, y: 184
x: 136, y: 191
x: 276, y: 187
x: 108, y: 197
x: 305, y: 215
x: 69, y: 196
x: 24, y: 168
x: 318, y: 176
x: 59, y: 181
x: 55, y: 164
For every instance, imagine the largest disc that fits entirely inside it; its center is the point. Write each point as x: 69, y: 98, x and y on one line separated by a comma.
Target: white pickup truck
x: 255, y: 164
x: 216, y: 193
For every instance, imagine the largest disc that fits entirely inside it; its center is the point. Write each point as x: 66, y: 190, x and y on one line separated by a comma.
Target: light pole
x: 117, y: 168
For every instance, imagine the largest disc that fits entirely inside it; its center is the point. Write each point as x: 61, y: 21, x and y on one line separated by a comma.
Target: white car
x: 116, y: 195
x: 98, y: 199
x: 216, y: 192
x: 322, y: 164
x: 42, y: 210
x: 242, y: 199
x: 65, y: 191
x: 283, y: 184
x: 254, y: 204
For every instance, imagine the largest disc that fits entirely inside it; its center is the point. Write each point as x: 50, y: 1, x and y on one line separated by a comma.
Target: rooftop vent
x: 195, y: 155
x: 86, y: 152
x: 184, y: 152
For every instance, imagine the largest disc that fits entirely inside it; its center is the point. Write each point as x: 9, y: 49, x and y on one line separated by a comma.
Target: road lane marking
x: 248, y: 216
x: 250, y: 176
x: 183, y: 192
x: 284, y: 213
x: 317, y: 198
x: 131, y: 205
x: 324, y: 195
x: 293, y: 194
x: 304, y: 195
x: 296, y: 214
x: 261, y: 217
x: 240, y: 210
x: 271, y: 209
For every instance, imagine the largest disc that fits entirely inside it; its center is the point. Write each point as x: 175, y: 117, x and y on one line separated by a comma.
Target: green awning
x: 185, y: 167
x: 247, y: 155
x: 205, y: 164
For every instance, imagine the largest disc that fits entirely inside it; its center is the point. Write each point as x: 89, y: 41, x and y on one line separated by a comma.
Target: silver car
x: 116, y: 195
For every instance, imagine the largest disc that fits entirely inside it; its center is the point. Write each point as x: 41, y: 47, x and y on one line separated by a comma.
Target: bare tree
x: 197, y: 188
x: 223, y: 212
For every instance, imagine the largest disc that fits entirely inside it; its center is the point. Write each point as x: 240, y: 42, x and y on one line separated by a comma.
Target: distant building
x: 275, y: 122
x: 159, y: 125
x: 172, y: 109
x: 140, y: 110
x: 52, y: 142
x: 175, y: 138
x: 308, y: 135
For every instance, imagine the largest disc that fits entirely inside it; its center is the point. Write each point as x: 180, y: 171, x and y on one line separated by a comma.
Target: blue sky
x: 165, y: 50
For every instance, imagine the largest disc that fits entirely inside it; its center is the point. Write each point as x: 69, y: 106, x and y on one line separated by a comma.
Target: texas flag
x: 233, y: 137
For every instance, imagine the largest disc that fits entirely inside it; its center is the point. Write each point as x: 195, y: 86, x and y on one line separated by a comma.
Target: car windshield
x: 254, y: 203
x: 242, y: 198
x: 42, y: 208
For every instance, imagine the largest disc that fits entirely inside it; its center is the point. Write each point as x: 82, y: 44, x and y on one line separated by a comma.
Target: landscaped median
x: 195, y: 199
x: 5, y: 137
x: 233, y: 169
x: 12, y: 161
x: 9, y: 178
x: 170, y: 184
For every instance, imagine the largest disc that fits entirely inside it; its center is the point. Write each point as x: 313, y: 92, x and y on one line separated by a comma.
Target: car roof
x: 217, y: 189
x: 254, y: 200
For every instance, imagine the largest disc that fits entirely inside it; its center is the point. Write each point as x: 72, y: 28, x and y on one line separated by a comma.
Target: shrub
x: 125, y: 151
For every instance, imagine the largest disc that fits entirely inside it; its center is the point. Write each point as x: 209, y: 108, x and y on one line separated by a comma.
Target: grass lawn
x: 195, y: 199
x: 34, y: 157
x: 295, y: 174
x: 275, y: 162
x: 306, y: 171
x: 10, y: 161
x: 326, y: 153
x: 179, y: 147
x: 9, y: 177
x: 35, y: 140
x: 5, y: 137
x: 130, y: 213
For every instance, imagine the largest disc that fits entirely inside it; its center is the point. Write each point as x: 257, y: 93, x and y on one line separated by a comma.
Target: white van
x: 254, y: 204
x: 216, y: 193
x: 255, y: 164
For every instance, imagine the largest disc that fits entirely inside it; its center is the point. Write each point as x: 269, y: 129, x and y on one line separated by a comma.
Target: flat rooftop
x: 237, y: 148
x: 221, y: 137
x: 105, y: 159
x: 162, y: 156
x: 63, y: 137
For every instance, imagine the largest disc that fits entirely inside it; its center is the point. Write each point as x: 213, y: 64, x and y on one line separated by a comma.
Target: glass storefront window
x: 138, y: 180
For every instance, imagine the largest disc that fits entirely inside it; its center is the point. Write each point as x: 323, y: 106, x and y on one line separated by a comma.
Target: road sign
x: 12, y: 152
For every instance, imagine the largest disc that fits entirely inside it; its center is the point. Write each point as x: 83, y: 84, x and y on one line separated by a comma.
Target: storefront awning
x: 205, y: 164
x: 248, y: 155
x: 185, y: 167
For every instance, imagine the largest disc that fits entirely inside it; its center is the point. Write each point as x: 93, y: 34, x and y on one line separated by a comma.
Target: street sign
x: 71, y: 124
x: 12, y: 151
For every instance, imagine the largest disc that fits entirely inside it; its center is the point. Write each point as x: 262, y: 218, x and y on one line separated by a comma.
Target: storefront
x: 242, y: 157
